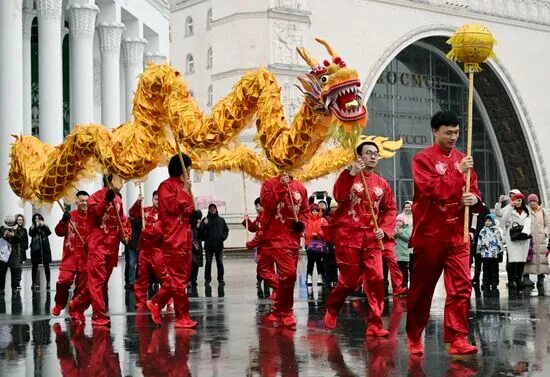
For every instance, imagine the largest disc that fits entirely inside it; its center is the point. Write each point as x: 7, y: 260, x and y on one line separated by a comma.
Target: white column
x: 159, y: 174
x: 110, y: 35
x: 50, y: 90
x: 11, y: 95
x: 133, y: 63
x: 81, y: 38
x: 28, y: 17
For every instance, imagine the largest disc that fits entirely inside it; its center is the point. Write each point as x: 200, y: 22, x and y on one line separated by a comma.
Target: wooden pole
x: 71, y: 223
x: 140, y: 187
x: 245, y: 205
x: 292, y: 203
x: 469, y: 150
x: 116, y: 211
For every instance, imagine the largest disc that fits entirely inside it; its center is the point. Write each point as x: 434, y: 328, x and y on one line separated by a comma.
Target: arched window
x: 209, y: 19
x: 188, y: 26
x: 209, y: 58
x: 189, y: 64
x: 210, y: 95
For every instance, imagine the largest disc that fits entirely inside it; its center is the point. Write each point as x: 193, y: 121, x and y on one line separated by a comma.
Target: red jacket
x: 278, y: 222
x: 175, y: 210
x: 105, y: 233
x: 351, y: 223
x: 151, y: 234
x: 75, y: 255
x: 438, y: 214
x: 314, y: 227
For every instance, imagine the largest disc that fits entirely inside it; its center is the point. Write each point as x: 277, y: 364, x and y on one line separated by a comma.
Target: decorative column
x: 11, y: 94
x: 157, y: 175
x: 50, y: 90
x: 28, y: 17
x: 110, y: 36
x: 133, y: 63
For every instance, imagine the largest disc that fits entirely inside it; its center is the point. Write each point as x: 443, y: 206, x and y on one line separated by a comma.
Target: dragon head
x: 333, y: 87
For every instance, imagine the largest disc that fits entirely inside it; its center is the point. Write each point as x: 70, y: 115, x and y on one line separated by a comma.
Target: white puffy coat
x: 540, y: 225
x: 517, y: 250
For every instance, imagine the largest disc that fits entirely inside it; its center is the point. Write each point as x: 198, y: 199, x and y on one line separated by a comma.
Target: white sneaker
x: 308, y: 281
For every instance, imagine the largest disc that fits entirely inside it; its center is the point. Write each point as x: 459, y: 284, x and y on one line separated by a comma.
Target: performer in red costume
x: 73, y: 262
x: 438, y: 214
x: 265, y: 267
x: 105, y: 235
x: 151, y: 257
x: 356, y: 241
x: 175, y: 210
x: 283, y: 225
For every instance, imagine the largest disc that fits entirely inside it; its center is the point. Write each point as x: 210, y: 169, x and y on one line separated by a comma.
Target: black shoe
x: 221, y: 283
x: 207, y: 284
x: 47, y: 287
x: 527, y: 282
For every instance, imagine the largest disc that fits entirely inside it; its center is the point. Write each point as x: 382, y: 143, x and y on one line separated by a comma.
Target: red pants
x: 395, y: 272
x: 352, y: 262
x: 150, y: 262
x: 178, y: 268
x: 429, y: 261
x: 65, y: 280
x: 100, y: 267
x: 266, y: 268
x: 286, y: 261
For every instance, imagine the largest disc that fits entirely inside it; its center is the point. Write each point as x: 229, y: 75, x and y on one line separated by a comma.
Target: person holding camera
x: 517, y: 225
x: 40, y: 250
x: 14, y: 243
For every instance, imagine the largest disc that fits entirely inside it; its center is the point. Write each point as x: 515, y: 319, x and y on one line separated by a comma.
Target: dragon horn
x: 331, y: 52
x: 307, y: 58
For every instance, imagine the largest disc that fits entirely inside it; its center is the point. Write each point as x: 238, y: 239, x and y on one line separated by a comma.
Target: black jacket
x: 40, y: 244
x: 214, y: 232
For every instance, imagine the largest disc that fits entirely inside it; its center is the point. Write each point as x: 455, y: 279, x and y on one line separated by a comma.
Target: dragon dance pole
x: 71, y: 223
x: 245, y: 204
x: 140, y: 187
x: 469, y: 149
x: 117, y: 214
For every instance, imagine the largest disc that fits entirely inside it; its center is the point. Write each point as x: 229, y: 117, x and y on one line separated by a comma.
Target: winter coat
x: 402, y: 251
x: 314, y: 228
x: 540, y: 228
x: 40, y: 244
x: 489, y: 242
x: 517, y: 250
x: 213, y: 232
x: 197, y: 248
x: 19, y: 243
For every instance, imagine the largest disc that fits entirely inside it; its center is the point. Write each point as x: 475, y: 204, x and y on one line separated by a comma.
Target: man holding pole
x: 175, y: 210
x: 440, y: 198
x: 363, y: 222
x: 286, y: 212
x: 72, y: 269
x: 108, y: 226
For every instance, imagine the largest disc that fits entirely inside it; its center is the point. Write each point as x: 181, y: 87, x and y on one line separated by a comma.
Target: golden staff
x: 472, y: 44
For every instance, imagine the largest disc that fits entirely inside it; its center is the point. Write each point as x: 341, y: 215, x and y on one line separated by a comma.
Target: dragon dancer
x: 286, y: 211
x: 175, y: 210
x: 107, y: 226
x: 72, y: 268
x: 357, y: 242
x: 438, y: 214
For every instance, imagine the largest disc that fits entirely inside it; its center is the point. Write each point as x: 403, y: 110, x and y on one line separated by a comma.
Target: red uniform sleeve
x: 126, y: 225
x: 177, y: 202
x: 433, y: 185
x: 342, y: 186
x: 271, y: 194
x: 387, y: 212
x: 135, y: 210
x: 62, y: 228
x: 252, y: 225
x: 97, y: 207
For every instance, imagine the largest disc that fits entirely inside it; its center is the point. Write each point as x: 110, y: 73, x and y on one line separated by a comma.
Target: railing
x: 532, y: 11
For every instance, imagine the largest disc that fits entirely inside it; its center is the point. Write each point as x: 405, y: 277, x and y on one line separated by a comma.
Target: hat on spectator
x: 9, y: 220
x: 532, y: 198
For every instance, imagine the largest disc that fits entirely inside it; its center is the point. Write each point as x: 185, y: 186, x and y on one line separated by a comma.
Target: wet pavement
x: 512, y: 332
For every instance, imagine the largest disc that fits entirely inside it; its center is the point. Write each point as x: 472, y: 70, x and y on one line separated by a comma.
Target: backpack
x: 316, y: 246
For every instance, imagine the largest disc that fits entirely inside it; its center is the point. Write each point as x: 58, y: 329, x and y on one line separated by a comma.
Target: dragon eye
x: 324, y: 79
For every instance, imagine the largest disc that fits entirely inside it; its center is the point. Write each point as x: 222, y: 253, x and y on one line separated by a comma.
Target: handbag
x: 5, y: 250
x: 316, y: 246
x: 516, y: 233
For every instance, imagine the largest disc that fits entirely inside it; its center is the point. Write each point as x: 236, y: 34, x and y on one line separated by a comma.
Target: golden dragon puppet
x: 332, y: 113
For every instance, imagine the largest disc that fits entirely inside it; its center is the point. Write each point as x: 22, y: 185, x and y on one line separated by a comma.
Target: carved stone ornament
x: 133, y: 51
x: 82, y: 20
x: 110, y: 37
x: 49, y: 9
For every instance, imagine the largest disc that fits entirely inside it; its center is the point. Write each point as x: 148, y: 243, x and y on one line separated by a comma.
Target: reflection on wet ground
x: 513, y: 334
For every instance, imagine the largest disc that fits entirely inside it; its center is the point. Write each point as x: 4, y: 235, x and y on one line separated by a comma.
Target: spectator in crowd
x: 315, y: 245
x: 504, y: 201
x: 331, y: 269
x: 490, y: 248
x: 517, y: 224
x: 131, y: 251
x: 213, y: 231
x: 402, y: 234
x: 15, y: 241
x: 197, y: 260
x: 477, y: 223
x: 407, y: 213
x: 540, y: 229
x: 40, y: 250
